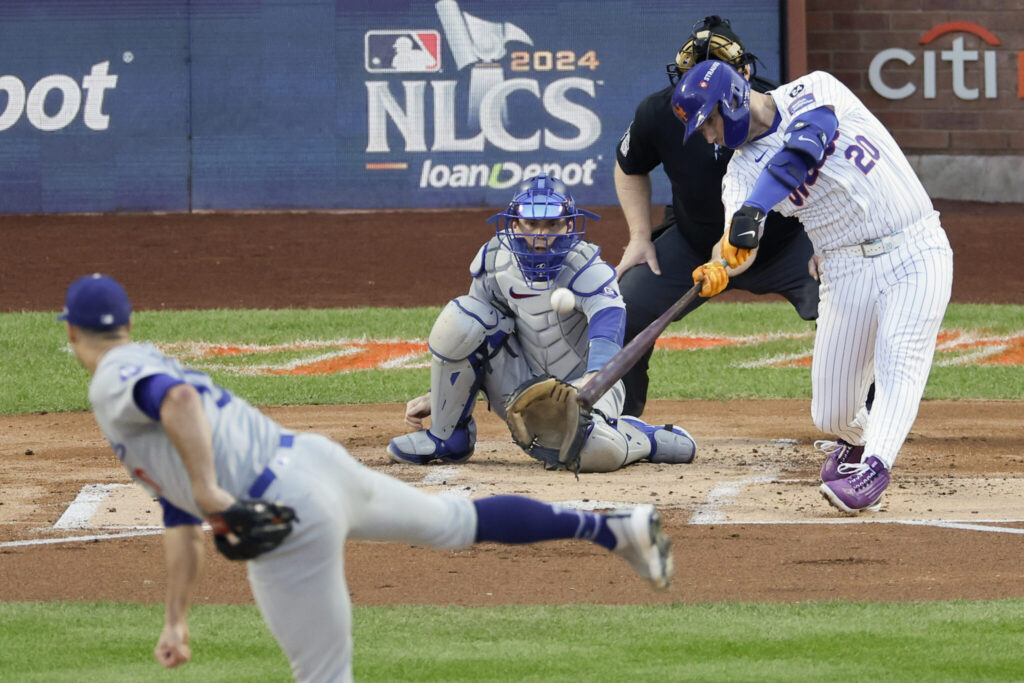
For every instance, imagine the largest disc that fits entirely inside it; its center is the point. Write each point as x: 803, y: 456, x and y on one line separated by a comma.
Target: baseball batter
x: 206, y: 453
x: 505, y: 332
x: 656, y: 264
x: 811, y: 149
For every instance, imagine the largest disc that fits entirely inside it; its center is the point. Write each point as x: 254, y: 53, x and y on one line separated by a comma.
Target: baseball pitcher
x: 811, y: 149
x: 286, y: 502
x: 504, y: 337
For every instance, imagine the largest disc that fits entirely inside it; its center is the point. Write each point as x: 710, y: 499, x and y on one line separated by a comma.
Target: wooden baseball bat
x: 622, y: 361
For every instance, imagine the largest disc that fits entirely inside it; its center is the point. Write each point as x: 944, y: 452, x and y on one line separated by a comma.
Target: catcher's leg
x: 614, y: 443
x: 466, y: 334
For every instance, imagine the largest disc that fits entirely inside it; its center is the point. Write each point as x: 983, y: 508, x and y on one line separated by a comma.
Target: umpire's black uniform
x: 697, y: 216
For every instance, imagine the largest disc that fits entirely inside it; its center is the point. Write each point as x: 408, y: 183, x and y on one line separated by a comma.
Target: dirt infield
x: 745, y: 517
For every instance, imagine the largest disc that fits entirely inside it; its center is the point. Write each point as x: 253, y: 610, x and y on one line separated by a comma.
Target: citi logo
x: 32, y: 101
x: 959, y: 59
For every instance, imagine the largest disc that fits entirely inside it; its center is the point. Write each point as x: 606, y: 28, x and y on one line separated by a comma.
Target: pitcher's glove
x: 250, y: 528
x: 547, y: 423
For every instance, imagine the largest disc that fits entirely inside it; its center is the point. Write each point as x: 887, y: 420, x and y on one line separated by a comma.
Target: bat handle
x: 617, y: 367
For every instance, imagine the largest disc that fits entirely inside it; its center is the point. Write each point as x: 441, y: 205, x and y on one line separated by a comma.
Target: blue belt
x: 259, y: 487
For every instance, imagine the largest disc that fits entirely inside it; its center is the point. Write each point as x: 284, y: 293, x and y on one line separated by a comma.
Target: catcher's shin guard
x: 466, y: 334
x: 607, y: 448
x: 453, y: 389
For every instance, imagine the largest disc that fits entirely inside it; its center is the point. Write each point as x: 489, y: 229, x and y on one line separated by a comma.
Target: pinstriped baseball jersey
x: 865, y: 189
x: 244, y: 440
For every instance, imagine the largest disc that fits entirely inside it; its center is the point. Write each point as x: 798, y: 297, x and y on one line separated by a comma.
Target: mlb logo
x: 404, y: 51
x: 703, y: 84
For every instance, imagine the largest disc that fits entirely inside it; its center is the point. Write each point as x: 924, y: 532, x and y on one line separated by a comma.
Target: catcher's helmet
x: 714, y: 84
x: 539, y: 198
x: 711, y: 38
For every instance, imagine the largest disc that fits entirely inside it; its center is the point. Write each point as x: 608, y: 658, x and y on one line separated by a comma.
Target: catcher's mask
x: 713, y: 84
x: 711, y: 38
x: 540, y: 255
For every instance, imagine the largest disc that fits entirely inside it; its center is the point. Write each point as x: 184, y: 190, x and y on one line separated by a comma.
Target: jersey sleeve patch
x: 801, y: 102
x: 175, y: 516
x: 149, y: 393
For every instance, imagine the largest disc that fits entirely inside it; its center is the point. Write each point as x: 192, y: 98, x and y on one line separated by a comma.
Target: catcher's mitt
x: 548, y: 423
x: 250, y: 528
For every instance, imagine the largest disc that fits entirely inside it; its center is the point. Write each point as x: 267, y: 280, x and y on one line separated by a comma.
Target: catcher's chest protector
x: 552, y: 343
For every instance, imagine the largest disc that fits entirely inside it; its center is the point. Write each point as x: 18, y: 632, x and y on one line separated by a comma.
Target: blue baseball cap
x: 96, y: 301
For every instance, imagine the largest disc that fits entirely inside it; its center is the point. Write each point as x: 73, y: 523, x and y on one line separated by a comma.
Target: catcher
x: 505, y: 339
x: 286, y: 502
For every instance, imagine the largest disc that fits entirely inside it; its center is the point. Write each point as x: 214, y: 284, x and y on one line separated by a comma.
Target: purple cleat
x: 839, y: 453
x: 860, y: 488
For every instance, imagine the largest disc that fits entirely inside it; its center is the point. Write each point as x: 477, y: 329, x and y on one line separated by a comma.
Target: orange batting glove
x: 734, y: 256
x: 714, y: 277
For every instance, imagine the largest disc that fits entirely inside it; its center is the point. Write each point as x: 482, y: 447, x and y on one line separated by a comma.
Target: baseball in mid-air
x: 562, y: 300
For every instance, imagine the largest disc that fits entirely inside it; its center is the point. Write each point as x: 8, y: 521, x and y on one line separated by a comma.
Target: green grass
x: 40, y: 374
x: 717, y: 373
x: 941, y: 641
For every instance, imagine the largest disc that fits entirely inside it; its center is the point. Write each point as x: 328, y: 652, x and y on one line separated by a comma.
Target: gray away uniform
x: 300, y: 587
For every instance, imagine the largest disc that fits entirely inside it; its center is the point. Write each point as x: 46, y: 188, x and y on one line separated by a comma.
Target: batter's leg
x: 843, y: 363
x: 911, y: 309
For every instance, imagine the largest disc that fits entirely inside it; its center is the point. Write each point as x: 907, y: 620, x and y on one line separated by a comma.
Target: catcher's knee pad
x: 466, y: 324
x: 606, y: 448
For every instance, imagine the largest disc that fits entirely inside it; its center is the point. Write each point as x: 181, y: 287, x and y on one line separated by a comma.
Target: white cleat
x: 642, y: 543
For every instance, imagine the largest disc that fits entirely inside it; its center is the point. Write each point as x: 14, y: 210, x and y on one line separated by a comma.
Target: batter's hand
x: 636, y: 252
x: 172, y: 649
x: 734, y: 256
x: 743, y: 235
x: 417, y: 409
x: 816, y: 266
x: 714, y: 276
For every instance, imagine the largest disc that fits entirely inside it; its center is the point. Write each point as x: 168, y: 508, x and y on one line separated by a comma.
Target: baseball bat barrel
x: 625, y: 359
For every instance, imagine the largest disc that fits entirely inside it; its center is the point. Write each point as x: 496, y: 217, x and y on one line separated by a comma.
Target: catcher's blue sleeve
x: 606, y: 332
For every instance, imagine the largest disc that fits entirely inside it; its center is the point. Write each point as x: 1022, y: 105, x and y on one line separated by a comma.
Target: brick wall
x: 844, y: 36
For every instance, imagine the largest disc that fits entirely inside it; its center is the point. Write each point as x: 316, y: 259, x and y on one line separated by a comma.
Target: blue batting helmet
x: 713, y: 84
x: 540, y: 255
